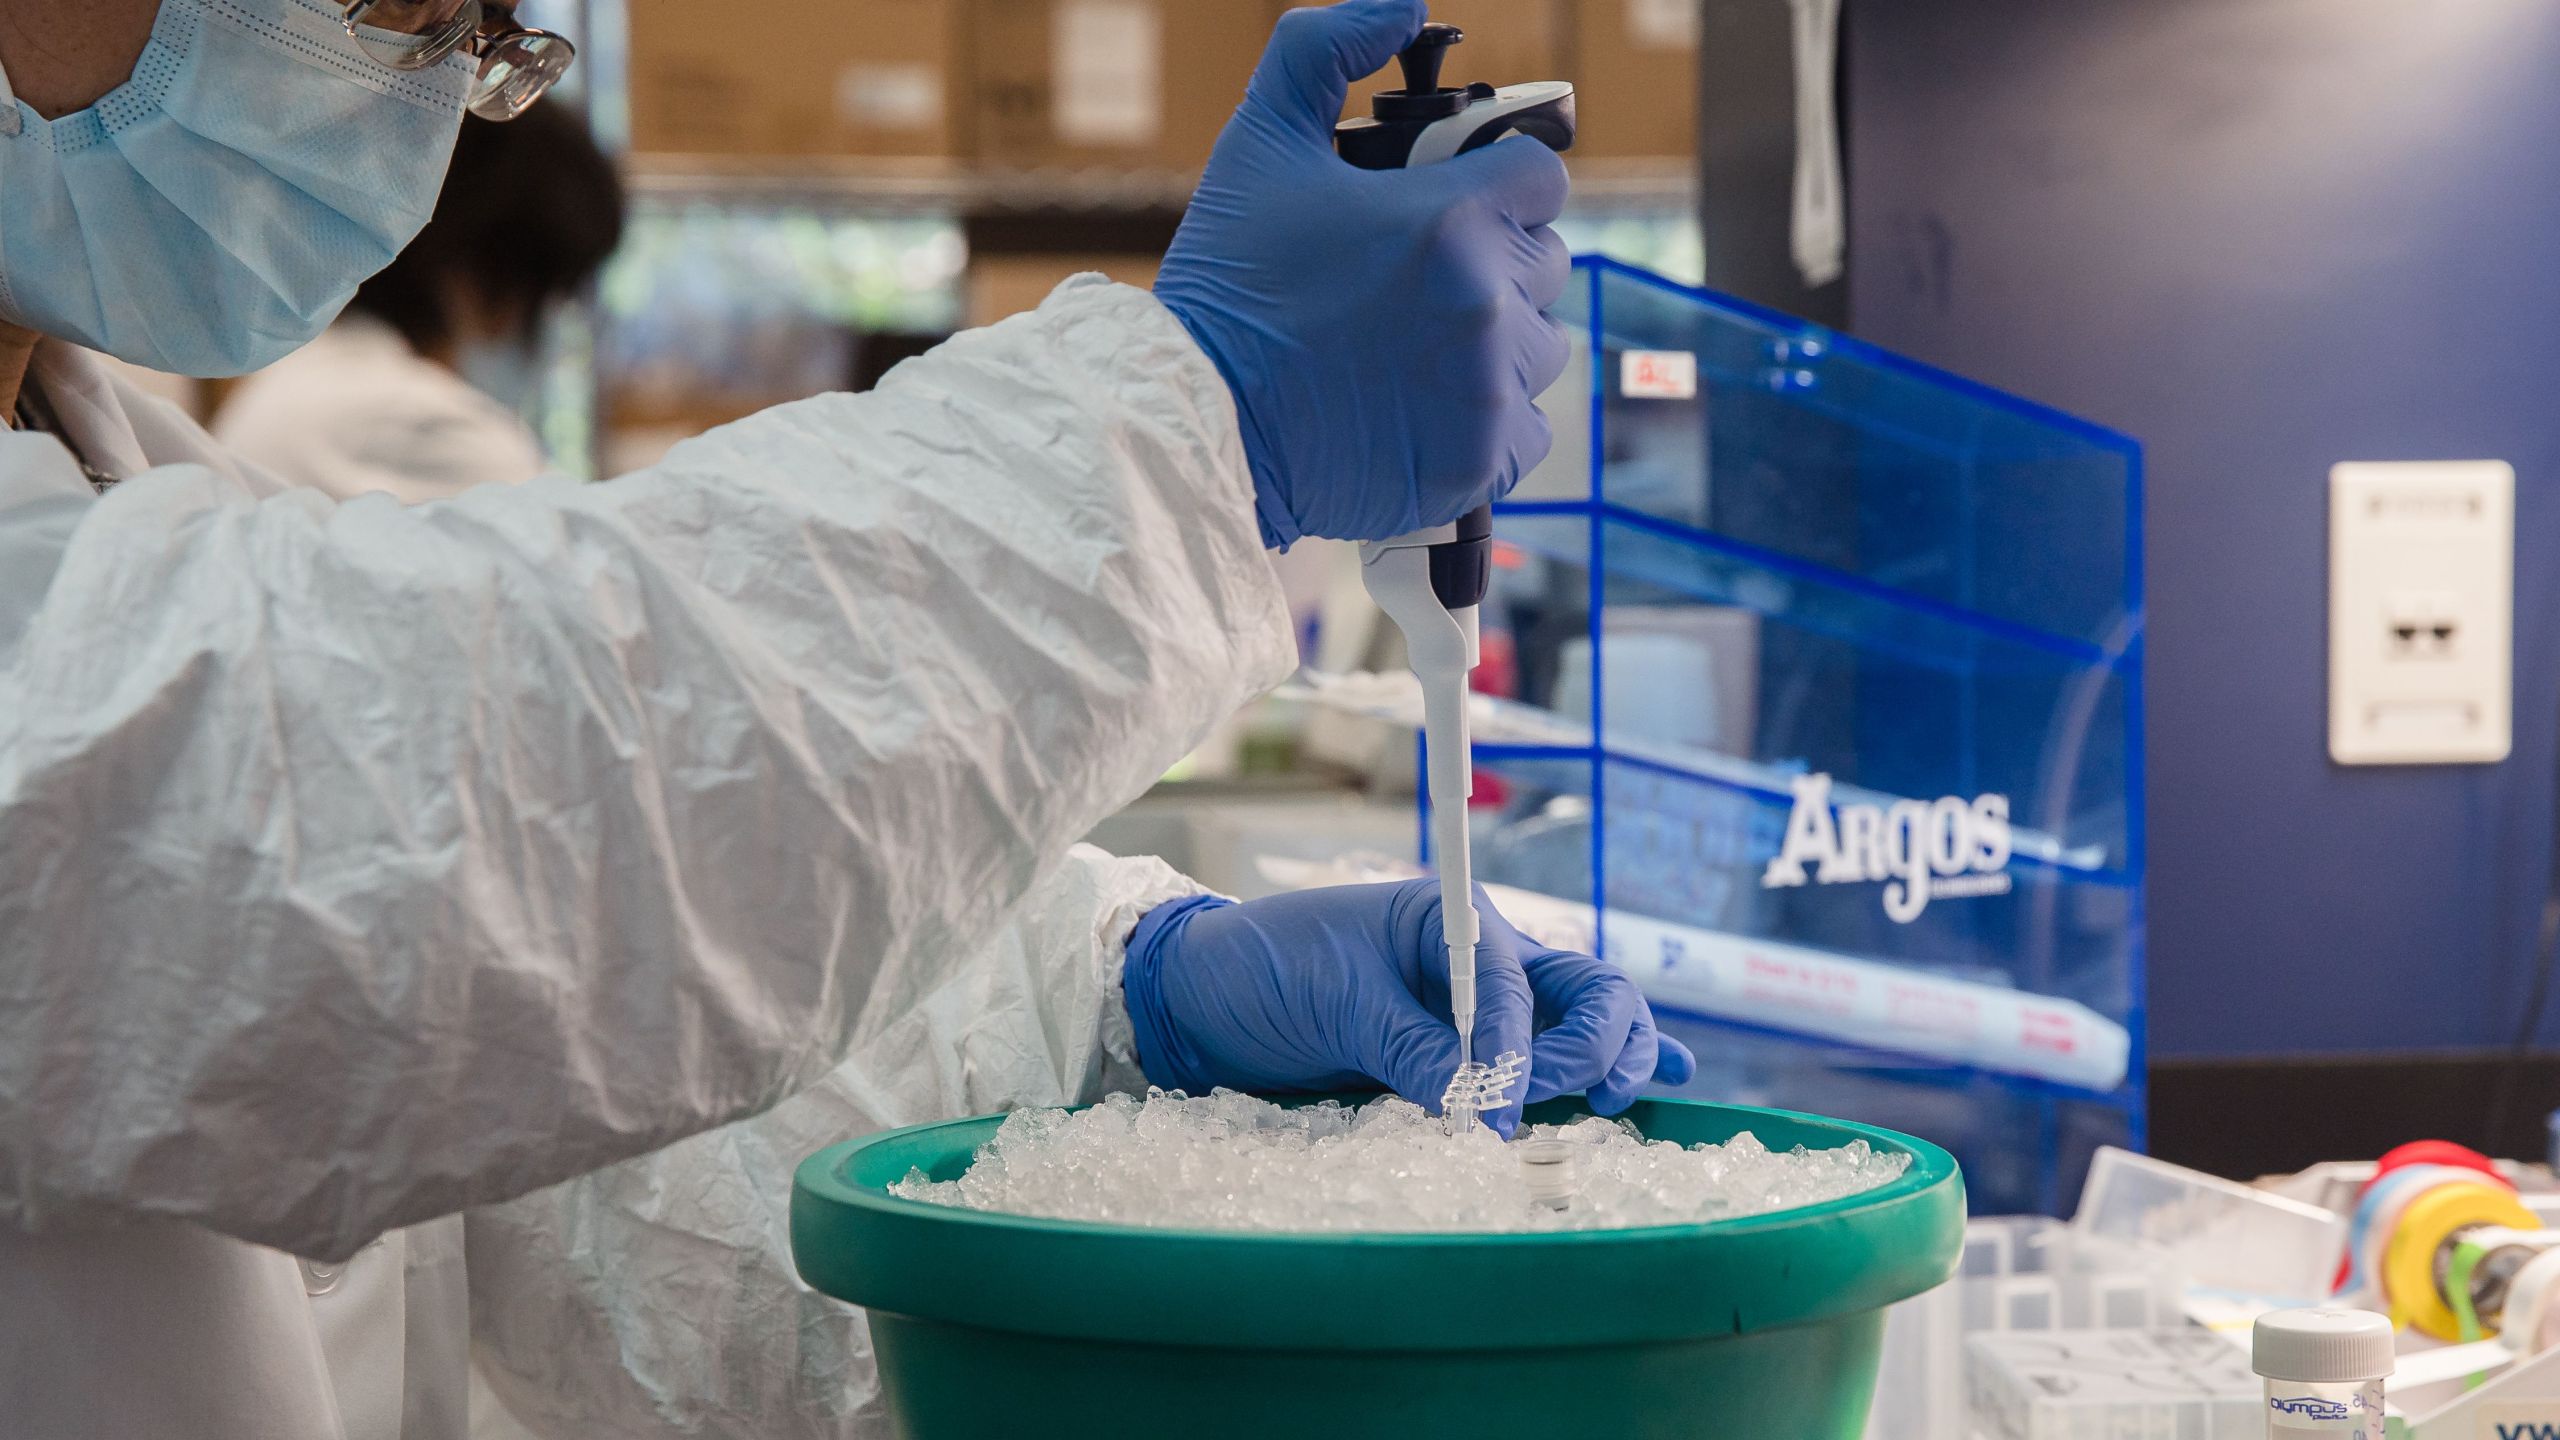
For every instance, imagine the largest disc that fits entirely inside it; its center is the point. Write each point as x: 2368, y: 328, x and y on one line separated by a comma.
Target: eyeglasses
x: 517, y: 64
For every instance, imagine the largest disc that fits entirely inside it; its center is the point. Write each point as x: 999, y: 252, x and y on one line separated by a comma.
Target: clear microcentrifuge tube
x: 1552, y: 1169
x: 1477, y: 1087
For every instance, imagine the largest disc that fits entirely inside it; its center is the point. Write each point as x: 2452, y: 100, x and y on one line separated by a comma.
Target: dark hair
x: 530, y: 209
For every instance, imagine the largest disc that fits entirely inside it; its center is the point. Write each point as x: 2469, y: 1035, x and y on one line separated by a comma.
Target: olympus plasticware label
x: 1921, y: 850
x: 2354, y: 1415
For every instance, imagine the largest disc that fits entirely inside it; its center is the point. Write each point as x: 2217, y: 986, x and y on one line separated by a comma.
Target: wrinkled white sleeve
x: 657, y: 1298
x: 360, y: 864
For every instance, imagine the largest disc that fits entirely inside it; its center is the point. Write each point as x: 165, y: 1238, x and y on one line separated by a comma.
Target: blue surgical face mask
x: 217, y: 209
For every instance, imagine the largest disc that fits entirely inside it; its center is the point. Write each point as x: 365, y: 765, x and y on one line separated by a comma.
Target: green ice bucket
x: 1765, y: 1328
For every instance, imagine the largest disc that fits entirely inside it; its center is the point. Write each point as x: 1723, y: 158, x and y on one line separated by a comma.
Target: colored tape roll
x: 2409, y: 1259
x: 2419, y: 1154
x: 2529, y: 1298
x: 2435, y: 1152
x: 2378, y: 1213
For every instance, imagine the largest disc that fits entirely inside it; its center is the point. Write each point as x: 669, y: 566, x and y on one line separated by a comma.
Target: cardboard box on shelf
x: 1508, y: 41
x: 800, y: 78
x: 1002, y: 285
x: 1635, y: 74
x: 1128, y: 84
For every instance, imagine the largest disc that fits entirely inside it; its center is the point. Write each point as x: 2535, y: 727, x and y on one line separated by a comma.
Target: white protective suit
x: 362, y: 865
x: 357, y: 410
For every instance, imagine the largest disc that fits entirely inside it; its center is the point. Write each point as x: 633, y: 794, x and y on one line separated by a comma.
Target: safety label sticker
x: 1658, y: 375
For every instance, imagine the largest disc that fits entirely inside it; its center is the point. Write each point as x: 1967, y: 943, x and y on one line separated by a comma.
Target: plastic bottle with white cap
x: 2324, y: 1369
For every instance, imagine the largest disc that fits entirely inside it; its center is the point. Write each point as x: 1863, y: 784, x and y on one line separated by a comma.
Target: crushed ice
x: 1226, y: 1161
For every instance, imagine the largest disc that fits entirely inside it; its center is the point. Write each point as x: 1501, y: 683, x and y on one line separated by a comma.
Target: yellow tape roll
x: 2409, y: 1261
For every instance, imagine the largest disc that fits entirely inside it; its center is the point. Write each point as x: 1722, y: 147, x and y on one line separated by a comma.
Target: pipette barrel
x: 1452, y: 782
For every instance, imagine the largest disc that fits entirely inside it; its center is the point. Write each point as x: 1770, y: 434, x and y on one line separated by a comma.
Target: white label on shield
x: 1658, y: 375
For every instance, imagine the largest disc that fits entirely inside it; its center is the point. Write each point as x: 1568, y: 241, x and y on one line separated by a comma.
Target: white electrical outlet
x: 2421, y: 611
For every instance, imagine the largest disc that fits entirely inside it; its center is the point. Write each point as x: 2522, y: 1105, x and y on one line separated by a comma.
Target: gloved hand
x: 1333, y: 989
x: 1382, y: 330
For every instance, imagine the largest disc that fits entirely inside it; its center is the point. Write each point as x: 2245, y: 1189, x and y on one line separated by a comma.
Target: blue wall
x: 2262, y: 236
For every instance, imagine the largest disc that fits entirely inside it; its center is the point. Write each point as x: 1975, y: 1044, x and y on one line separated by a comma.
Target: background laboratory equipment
x: 2139, y: 1314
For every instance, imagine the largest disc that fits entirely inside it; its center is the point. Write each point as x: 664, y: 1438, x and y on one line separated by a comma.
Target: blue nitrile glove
x: 1382, y: 330
x: 1336, y: 989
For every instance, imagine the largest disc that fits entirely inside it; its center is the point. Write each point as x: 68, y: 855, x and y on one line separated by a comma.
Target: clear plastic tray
x: 2111, y: 1385
x: 2020, y: 1275
x: 2212, y: 1233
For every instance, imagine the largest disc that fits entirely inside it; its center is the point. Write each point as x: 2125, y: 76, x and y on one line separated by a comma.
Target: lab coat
x: 357, y: 411
x: 363, y: 867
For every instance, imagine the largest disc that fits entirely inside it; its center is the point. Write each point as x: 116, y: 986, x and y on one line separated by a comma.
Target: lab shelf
x: 1823, y: 676
x: 951, y: 187
x: 1723, y: 570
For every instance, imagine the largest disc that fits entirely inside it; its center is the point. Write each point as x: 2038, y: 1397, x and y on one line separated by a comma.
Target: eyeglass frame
x: 477, y: 41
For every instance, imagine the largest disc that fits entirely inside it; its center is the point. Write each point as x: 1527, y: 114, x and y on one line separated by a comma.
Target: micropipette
x: 1431, y: 582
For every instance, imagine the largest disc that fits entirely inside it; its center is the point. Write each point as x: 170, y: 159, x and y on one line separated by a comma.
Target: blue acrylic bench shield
x: 1832, y: 679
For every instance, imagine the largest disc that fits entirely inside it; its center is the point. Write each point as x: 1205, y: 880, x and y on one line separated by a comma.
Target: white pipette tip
x: 1462, y: 995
